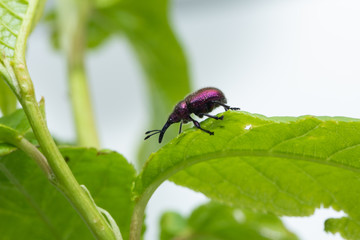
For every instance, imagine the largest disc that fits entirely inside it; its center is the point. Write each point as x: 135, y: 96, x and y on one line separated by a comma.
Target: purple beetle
x: 199, y: 103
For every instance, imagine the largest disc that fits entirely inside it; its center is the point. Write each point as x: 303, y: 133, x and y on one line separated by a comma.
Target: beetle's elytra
x: 199, y: 103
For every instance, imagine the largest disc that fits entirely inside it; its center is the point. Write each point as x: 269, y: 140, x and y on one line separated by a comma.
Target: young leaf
x: 16, y: 121
x: 15, y: 124
x: 30, y: 203
x: 17, y: 19
x: 7, y: 99
x: 11, y: 16
x: 217, y: 221
x: 288, y: 166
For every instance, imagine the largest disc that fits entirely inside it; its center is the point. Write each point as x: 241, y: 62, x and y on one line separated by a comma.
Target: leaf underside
x: 30, y: 203
x: 287, y: 166
x: 11, y: 17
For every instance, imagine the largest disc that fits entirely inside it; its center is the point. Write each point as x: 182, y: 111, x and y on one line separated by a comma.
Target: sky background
x: 277, y: 58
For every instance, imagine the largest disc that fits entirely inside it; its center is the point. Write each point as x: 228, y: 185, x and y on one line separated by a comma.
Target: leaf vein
x: 246, y: 132
x: 295, y: 137
x: 316, y: 181
x: 342, y: 150
x: 241, y: 191
x: 6, y: 45
x: 14, y: 13
x: 274, y: 183
x: 8, y: 28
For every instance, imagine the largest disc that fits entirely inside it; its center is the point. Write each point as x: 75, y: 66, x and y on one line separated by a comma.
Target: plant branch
x: 11, y: 136
x: 36, y: 155
x: 140, y: 205
x: 73, y: 16
x: 66, y: 181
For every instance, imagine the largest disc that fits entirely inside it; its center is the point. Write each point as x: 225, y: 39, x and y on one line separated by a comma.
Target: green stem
x: 140, y: 205
x: 11, y: 136
x: 36, y: 155
x: 138, y: 218
x: 65, y: 180
x: 73, y: 16
x: 82, y: 109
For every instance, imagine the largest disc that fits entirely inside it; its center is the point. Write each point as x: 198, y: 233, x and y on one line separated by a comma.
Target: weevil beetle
x: 199, y: 103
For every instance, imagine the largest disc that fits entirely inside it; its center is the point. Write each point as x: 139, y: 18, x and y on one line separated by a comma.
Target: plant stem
x: 39, y: 158
x: 11, y: 136
x: 65, y: 180
x: 82, y: 109
x: 138, y: 218
x: 140, y: 205
x: 73, y: 15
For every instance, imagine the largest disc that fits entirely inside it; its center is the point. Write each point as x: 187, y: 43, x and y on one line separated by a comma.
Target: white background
x: 270, y: 57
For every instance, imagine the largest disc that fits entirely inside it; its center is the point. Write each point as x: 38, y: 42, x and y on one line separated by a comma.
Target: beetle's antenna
x: 153, y: 133
x: 162, y: 131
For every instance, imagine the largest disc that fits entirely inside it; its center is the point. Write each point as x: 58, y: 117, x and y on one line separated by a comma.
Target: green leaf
x: 216, y: 221
x: 12, y: 13
x: 16, y: 121
x: 7, y: 99
x: 287, y: 166
x: 11, y: 16
x: 30, y: 203
x: 17, y: 19
x: 11, y: 126
x: 348, y: 228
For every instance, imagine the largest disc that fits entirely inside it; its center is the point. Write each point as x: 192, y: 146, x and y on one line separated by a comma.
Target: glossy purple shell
x: 202, y: 101
x: 199, y: 102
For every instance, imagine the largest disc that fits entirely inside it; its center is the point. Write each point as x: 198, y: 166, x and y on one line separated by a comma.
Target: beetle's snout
x: 163, y: 130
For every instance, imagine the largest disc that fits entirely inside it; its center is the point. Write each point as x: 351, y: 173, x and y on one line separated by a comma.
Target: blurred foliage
x: 145, y: 24
x: 214, y: 221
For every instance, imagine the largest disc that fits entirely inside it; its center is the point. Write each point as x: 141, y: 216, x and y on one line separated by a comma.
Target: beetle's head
x: 180, y: 113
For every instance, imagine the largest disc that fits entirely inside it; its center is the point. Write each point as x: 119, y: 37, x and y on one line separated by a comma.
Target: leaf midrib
x: 187, y: 162
x: 266, y: 153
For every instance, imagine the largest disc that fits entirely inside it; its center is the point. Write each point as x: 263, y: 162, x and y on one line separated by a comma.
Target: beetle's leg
x: 197, y: 124
x: 180, y: 127
x: 226, y: 107
x: 214, y: 117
